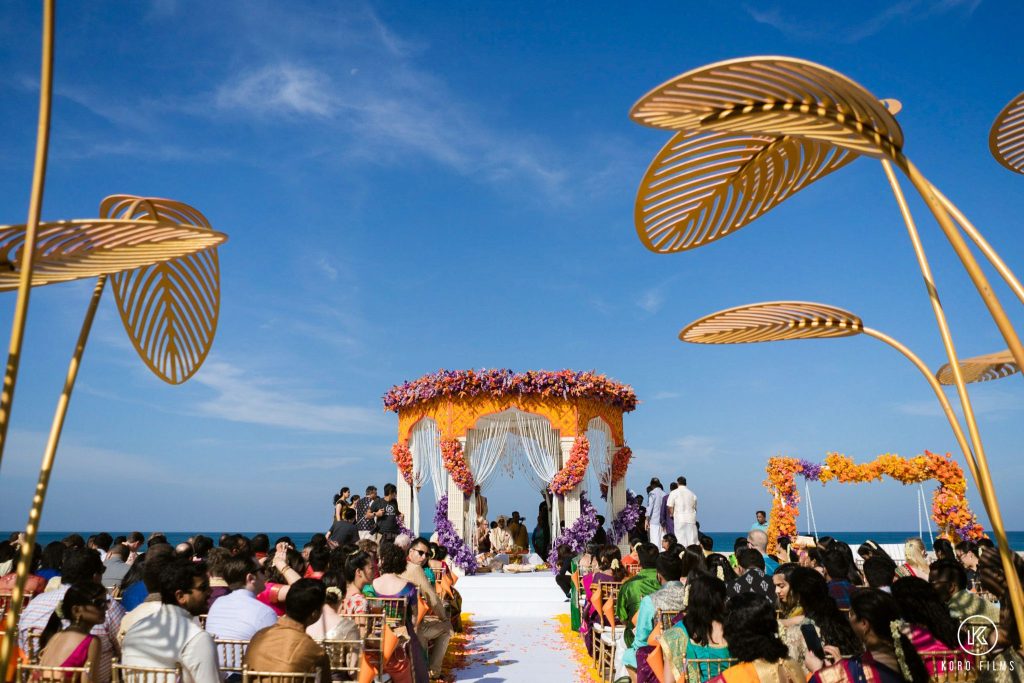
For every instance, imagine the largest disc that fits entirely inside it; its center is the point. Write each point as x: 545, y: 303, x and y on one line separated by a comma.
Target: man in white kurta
x: 682, y: 505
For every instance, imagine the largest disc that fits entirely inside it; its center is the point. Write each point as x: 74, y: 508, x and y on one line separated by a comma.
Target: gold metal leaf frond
x: 981, y: 368
x: 85, y: 248
x: 704, y: 186
x: 772, y: 321
x: 169, y: 309
x: 1006, y: 140
x: 773, y: 96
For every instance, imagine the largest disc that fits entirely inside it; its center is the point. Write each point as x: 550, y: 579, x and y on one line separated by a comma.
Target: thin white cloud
x: 994, y: 403
x: 277, y: 89
x: 242, y: 397
x: 665, y: 395
x: 652, y: 300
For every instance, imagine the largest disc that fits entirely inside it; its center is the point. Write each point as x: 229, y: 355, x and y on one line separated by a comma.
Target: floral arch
x: 950, y: 509
x: 455, y: 427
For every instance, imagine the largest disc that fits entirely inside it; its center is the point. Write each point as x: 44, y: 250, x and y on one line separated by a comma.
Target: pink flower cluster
x: 503, y: 382
x: 575, y: 469
x: 455, y: 462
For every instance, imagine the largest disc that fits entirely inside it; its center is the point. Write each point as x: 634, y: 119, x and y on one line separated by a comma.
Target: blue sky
x: 409, y: 186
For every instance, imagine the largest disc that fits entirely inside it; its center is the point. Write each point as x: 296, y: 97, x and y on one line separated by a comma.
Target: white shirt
x: 38, y: 612
x: 150, y: 605
x: 168, y: 637
x: 684, y: 505
x: 238, y: 615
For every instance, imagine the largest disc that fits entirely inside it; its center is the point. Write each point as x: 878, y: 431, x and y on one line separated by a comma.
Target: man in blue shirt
x: 762, y: 522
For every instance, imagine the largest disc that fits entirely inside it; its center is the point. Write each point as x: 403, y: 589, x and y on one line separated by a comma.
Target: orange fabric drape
x: 576, y: 580
x: 609, y: 611
x: 595, y: 600
x: 446, y: 585
x: 367, y: 671
x: 421, y: 610
x: 652, y: 639
x: 388, y: 643
x: 656, y: 660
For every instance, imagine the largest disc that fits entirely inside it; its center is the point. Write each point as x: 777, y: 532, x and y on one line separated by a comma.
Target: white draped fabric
x: 505, y: 436
x: 602, y: 450
x: 425, y: 445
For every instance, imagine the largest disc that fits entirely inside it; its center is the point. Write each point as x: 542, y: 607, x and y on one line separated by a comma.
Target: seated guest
x: 788, y: 606
x: 636, y: 588
x: 51, y: 561
x: 700, y: 634
x: 34, y: 584
x: 718, y: 566
x: 344, y: 531
x: 809, y: 591
x: 435, y: 631
x: 943, y: 549
x: 501, y: 539
x: 149, y: 566
x: 215, y: 560
x: 286, y: 567
x: 930, y: 627
x: 115, y: 565
x: 483, y: 535
x: 872, y: 614
x: 317, y: 560
x: 949, y: 579
x: 671, y: 597
x: 609, y: 570
x: 202, y: 545
x: 520, y: 535
x: 171, y: 636
x: 917, y: 560
x: 967, y: 553
x: 358, y: 574
x: 392, y: 583
x: 668, y: 541
x: 330, y: 617
x: 238, y: 615
x: 880, y: 572
x: 85, y: 605
x: 752, y: 633
x: 836, y: 572
x: 871, y: 549
x: 285, y: 646
x: 758, y: 540
x: 79, y: 566
x: 752, y: 578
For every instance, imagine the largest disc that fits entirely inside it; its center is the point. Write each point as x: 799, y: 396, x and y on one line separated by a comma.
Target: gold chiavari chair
x: 668, y: 618
x: 950, y: 666
x: 606, y: 632
x: 278, y: 677
x: 393, y: 610
x: 699, y: 670
x: 345, y: 656
x: 202, y: 621
x: 5, y: 603
x: 32, y: 647
x: 632, y: 569
x: 126, y: 673
x: 231, y: 654
x: 371, y: 628
x: 28, y: 673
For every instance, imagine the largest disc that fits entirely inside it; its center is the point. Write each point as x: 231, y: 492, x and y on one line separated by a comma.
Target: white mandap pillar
x: 571, y: 500
x: 618, y: 494
x: 457, y: 500
x: 404, y: 499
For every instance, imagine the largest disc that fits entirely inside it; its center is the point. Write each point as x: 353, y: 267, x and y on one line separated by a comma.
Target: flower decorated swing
x: 950, y: 509
x: 563, y: 431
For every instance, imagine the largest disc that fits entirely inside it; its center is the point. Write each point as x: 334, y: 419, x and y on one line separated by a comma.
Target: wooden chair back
x: 699, y: 670
x: 345, y: 655
x: 950, y: 666
x: 125, y: 673
x: 393, y: 609
x: 231, y: 654
x: 249, y: 676
x: 668, y: 618
x: 32, y: 646
x: 607, y: 592
x: 29, y: 673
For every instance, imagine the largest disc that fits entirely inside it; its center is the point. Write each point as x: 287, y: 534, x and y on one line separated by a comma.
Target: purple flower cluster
x: 626, y: 520
x: 578, y: 535
x: 563, y: 384
x: 457, y: 548
x: 811, y: 470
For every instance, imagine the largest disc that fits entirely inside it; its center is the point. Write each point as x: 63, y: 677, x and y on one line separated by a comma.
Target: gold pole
x: 984, y: 482
x: 954, y: 423
x: 986, y: 248
x: 25, y: 557
x: 35, y: 207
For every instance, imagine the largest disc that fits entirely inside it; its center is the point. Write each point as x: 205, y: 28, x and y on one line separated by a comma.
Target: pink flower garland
x: 575, y: 468
x: 455, y: 462
x: 402, y: 456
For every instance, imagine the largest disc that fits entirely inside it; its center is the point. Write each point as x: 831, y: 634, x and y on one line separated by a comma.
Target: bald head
x: 758, y: 540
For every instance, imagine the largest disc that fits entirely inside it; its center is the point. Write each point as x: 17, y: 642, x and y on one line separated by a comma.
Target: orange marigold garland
x: 950, y: 508
x: 575, y: 469
x: 402, y: 456
x: 620, y: 463
x: 455, y: 462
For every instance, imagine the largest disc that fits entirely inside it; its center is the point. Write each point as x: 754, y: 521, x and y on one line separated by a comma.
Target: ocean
x: 723, y: 539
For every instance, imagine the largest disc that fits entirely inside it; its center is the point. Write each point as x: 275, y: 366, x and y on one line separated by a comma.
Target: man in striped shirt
x: 80, y: 565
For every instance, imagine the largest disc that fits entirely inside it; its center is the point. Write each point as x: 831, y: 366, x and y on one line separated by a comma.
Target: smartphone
x: 813, y: 641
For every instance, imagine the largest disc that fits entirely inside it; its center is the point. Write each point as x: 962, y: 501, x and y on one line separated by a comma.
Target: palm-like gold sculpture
x: 1006, y: 139
x: 793, y: 102
x: 162, y: 256
x: 981, y: 368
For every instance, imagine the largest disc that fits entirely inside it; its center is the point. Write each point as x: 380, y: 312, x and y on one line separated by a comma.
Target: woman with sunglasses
x: 85, y: 606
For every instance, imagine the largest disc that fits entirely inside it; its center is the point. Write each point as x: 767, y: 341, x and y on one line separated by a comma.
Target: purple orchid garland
x: 627, y: 518
x: 460, y: 553
x: 578, y: 535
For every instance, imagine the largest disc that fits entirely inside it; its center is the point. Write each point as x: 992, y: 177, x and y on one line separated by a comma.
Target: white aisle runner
x: 515, y: 633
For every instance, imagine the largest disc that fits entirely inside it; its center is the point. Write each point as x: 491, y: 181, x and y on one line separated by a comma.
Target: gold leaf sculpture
x: 772, y: 321
x: 773, y: 96
x: 1006, y: 139
x: 981, y: 368
x: 704, y: 186
x: 84, y: 248
x: 169, y: 309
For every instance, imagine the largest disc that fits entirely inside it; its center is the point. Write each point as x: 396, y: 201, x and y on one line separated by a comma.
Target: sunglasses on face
x: 418, y: 551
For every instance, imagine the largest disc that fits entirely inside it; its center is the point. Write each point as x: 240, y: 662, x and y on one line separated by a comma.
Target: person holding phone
x: 813, y: 608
